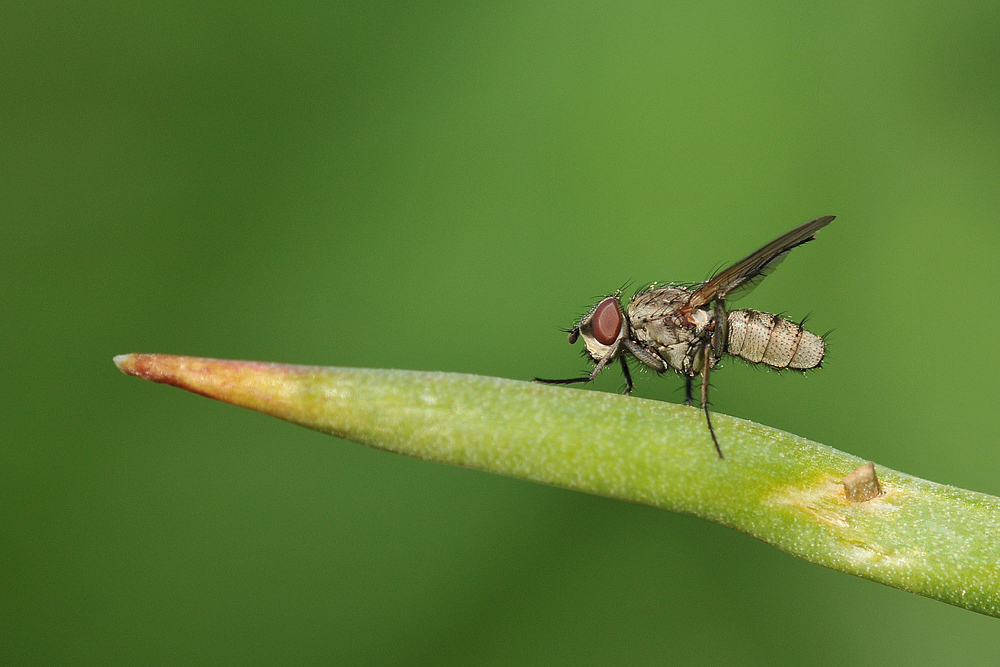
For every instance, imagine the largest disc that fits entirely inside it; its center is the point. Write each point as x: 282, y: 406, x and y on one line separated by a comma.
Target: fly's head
x: 602, y: 329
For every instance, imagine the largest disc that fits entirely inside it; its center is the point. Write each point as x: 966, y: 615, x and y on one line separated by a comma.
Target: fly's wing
x: 737, y: 281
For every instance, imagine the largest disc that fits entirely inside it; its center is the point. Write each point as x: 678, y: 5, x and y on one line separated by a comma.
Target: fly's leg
x: 720, y: 337
x: 628, y: 376
x: 645, y: 357
x: 566, y: 381
x: 704, y: 396
x: 593, y: 374
x: 688, y: 390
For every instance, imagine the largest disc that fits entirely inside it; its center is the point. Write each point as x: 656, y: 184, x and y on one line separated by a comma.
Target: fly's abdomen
x: 763, y: 338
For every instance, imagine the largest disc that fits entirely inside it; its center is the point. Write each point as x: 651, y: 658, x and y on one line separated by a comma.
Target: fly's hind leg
x: 720, y: 337
x: 704, y: 395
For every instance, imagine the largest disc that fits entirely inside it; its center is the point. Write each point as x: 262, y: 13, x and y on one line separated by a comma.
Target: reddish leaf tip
x: 153, y: 367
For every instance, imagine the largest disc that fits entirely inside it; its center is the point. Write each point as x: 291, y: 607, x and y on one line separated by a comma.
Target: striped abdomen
x: 763, y: 338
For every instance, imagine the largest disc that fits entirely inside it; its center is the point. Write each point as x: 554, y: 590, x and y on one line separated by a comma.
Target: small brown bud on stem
x: 862, y: 485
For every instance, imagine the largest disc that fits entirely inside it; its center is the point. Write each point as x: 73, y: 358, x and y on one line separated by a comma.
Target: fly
x: 688, y: 329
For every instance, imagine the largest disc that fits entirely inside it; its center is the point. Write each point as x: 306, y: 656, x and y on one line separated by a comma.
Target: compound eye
x: 607, y: 321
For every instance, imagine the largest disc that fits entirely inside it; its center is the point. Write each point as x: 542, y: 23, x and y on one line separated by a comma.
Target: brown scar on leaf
x: 830, y: 499
x: 862, y: 485
x: 819, y: 499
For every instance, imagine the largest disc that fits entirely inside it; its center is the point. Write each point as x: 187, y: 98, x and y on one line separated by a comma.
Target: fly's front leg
x: 688, y: 390
x: 593, y: 374
x: 706, y: 367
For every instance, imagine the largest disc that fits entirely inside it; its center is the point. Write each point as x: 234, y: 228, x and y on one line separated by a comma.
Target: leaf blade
x: 927, y: 538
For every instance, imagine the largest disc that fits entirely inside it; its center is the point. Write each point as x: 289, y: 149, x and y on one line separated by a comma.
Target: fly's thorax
x: 658, y: 302
x: 602, y: 328
x: 763, y: 338
x: 661, y: 324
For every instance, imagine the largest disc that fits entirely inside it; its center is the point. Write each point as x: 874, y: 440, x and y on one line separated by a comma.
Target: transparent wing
x: 737, y: 281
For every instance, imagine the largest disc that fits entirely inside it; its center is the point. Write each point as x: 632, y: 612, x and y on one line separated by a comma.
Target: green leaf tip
x: 919, y: 536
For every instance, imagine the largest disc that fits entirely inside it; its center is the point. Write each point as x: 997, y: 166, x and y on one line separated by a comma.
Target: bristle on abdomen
x: 763, y: 338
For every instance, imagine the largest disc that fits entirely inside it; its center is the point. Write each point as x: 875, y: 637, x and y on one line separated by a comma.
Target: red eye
x: 607, y: 321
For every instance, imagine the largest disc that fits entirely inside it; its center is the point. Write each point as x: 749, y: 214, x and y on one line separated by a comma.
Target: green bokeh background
x: 443, y: 186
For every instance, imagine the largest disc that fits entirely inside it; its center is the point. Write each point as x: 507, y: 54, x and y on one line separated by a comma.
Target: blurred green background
x: 443, y: 186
